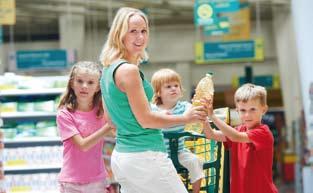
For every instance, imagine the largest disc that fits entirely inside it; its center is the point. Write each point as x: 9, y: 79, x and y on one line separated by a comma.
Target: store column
x: 183, y: 69
x: 302, y: 15
x: 72, y: 33
x: 288, y: 66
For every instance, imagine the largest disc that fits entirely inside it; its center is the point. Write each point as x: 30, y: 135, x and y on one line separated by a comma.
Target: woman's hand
x: 195, y: 114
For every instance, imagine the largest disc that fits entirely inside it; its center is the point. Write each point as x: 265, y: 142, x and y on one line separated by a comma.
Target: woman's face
x: 136, y: 38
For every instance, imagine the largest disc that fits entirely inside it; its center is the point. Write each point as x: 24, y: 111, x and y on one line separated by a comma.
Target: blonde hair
x: 251, y: 92
x: 161, y: 77
x: 68, y: 99
x: 114, y: 48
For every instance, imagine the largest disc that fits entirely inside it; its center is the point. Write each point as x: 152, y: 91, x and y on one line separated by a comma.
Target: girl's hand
x: 112, y: 127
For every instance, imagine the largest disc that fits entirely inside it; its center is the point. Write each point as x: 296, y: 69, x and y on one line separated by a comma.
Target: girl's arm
x: 211, y: 133
x: 127, y: 78
x: 85, y: 143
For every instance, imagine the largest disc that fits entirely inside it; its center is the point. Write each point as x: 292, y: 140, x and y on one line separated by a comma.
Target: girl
x: 167, y: 92
x: 139, y: 160
x: 82, y: 126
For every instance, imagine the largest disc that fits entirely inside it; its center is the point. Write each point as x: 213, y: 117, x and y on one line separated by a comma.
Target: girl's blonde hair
x: 251, y: 92
x: 114, y: 48
x: 68, y: 99
x: 161, y: 77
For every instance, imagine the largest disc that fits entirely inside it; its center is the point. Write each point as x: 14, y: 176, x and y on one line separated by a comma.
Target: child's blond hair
x: 250, y: 91
x: 161, y: 77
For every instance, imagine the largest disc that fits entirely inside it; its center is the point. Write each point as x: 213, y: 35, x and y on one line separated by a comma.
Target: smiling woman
x: 139, y: 161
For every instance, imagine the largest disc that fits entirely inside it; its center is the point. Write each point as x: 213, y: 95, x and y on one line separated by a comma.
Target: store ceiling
x: 41, y: 16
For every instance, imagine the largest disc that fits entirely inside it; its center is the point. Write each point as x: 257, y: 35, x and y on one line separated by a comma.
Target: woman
x: 139, y: 161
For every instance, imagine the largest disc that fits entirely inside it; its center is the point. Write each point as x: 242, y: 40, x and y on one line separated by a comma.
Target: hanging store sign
x: 220, y: 27
x: 239, y: 25
x: 7, y: 12
x: 234, y: 51
x: 42, y: 59
x: 206, y: 11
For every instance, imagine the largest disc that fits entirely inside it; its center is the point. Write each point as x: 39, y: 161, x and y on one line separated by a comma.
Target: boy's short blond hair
x: 250, y: 91
x: 161, y: 77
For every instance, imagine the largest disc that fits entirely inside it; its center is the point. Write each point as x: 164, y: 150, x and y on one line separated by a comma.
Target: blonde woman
x: 139, y: 161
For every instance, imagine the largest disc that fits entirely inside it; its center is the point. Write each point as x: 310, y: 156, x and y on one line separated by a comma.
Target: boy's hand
x: 207, y: 125
x: 208, y: 103
x: 207, y: 129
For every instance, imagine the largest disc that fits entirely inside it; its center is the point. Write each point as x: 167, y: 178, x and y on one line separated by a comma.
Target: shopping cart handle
x: 170, y: 135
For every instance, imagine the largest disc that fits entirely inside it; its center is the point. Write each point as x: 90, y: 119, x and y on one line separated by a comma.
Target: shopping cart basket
x: 209, y: 151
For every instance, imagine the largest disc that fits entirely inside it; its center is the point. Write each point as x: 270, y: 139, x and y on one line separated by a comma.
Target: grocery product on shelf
x: 33, y: 150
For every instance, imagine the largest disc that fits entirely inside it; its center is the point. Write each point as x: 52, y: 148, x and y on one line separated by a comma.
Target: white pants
x: 193, y: 164
x: 146, y: 172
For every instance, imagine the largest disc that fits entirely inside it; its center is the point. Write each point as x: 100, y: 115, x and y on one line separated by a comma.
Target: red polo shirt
x: 251, y: 163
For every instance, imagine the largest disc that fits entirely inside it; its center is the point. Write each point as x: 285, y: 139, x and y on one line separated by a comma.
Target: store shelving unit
x: 27, y: 159
x: 21, y: 169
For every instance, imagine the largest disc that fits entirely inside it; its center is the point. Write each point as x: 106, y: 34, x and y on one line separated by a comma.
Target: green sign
x: 42, y: 59
x: 232, y: 51
x: 206, y: 11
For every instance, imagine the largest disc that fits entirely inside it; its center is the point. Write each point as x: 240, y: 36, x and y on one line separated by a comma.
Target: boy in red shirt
x: 251, y: 143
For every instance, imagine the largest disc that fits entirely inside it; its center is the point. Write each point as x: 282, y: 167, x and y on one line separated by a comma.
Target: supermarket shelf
x: 32, y: 141
x: 26, y: 95
x: 31, y: 92
x: 28, y: 115
x: 33, y: 191
x: 26, y: 169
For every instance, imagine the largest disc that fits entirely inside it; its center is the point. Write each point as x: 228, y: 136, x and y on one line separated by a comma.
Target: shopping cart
x: 209, y: 151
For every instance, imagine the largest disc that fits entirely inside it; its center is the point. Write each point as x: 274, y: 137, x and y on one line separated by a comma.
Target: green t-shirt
x: 131, y: 137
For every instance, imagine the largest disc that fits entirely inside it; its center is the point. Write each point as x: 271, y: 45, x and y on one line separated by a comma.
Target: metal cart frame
x: 209, y: 150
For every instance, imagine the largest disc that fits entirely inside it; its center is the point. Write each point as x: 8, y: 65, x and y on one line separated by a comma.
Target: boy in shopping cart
x: 251, y: 143
x: 167, y: 92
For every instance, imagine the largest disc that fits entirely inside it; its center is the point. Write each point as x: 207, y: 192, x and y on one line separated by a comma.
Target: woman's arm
x: 127, y: 78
